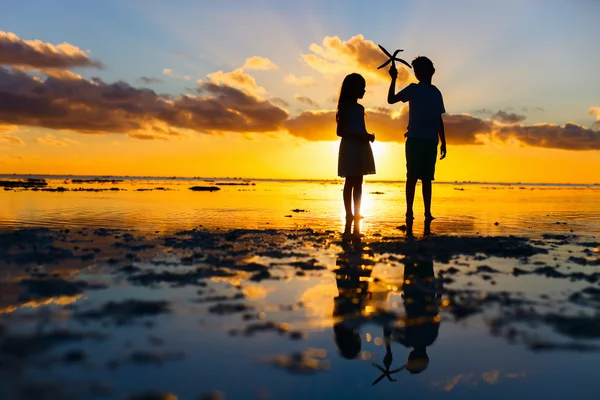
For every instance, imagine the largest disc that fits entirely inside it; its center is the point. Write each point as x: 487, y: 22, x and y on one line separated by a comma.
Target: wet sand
x: 296, y: 313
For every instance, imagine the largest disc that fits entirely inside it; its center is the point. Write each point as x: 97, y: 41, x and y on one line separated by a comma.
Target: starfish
x: 386, y: 373
x: 392, y: 58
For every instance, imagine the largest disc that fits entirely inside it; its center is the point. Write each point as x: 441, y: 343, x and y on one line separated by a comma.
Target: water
x: 499, y: 317
x: 460, y: 208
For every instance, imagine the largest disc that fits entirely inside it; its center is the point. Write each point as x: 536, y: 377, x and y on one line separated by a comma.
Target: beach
x: 131, y: 288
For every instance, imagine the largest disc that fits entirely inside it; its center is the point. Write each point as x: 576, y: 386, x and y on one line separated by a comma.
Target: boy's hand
x: 371, y: 137
x: 393, y: 72
x: 443, y: 151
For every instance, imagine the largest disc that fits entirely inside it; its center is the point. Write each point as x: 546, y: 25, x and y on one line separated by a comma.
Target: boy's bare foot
x: 429, y: 217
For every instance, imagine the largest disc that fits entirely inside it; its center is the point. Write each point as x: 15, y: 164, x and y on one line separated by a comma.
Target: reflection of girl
x: 353, y: 288
x: 355, y: 156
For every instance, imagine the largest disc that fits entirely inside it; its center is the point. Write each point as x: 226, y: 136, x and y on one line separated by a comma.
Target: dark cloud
x: 280, y: 101
x: 15, y: 51
x: 149, y: 80
x: 508, y: 117
x: 307, y: 101
x: 461, y: 129
x: 566, y: 137
x: 94, y: 106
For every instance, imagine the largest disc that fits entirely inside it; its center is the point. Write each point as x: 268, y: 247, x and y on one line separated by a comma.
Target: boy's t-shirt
x: 425, y: 107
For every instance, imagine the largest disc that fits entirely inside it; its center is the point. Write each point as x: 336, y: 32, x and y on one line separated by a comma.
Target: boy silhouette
x: 425, y: 126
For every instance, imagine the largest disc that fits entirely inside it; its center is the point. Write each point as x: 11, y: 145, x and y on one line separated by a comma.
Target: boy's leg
x: 411, y: 184
x: 427, y: 198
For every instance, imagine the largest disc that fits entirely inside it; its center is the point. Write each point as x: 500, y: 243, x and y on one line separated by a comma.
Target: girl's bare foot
x: 409, y: 216
x: 429, y: 217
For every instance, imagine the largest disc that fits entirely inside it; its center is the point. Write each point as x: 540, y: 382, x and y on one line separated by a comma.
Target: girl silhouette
x: 355, y: 156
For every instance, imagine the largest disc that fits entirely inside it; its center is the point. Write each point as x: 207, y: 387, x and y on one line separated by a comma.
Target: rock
x: 204, y: 188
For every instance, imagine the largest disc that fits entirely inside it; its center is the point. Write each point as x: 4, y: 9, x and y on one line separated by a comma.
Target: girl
x: 355, y: 155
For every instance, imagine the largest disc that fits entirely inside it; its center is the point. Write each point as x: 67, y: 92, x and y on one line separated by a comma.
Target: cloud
x: 280, y: 101
x: 169, y: 72
x: 6, y: 136
x: 305, y: 81
x: 596, y: 112
x: 51, y: 140
x: 236, y: 78
x: 508, y: 118
x: 356, y: 54
x: 461, y: 129
x: 307, y: 101
x: 15, y: 141
x: 257, y: 62
x: 96, y: 107
x: 15, y: 51
x: 149, y: 80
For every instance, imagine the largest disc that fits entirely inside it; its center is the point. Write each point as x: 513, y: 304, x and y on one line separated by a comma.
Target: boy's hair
x: 423, y: 66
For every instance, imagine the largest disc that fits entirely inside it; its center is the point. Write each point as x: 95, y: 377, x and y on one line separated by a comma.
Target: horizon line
x: 172, y: 177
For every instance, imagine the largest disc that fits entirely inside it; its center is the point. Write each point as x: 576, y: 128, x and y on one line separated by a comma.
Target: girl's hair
x: 349, y: 92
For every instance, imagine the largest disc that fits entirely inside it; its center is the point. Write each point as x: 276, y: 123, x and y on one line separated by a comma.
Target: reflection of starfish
x: 386, y: 373
x: 392, y: 58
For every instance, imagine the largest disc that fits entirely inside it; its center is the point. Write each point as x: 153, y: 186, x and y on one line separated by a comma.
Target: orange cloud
x: 257, y: 62
x: 305, y: 81
x: 238, y: 79
x: 51, y: 140
x: 6, y: 136
x: 15, y: 51
x: 461, y: 129
x: 596, y: 111
x: 94, y: 106
x: 356, y: 54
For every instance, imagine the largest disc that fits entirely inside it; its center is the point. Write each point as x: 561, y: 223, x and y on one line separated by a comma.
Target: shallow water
x: 459, y: 208
x: 279, y: 311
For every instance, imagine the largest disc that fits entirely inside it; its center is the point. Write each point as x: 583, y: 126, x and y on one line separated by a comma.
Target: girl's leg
x: 348, y: 186
x: 348, y: 196
x: 357, y: 195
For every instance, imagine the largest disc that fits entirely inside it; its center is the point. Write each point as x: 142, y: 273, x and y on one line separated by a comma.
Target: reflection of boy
x: 422, y: 322
x: 425, y: 124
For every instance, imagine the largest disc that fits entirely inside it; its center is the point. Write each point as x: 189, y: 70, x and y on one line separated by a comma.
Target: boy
x: 425, y: 124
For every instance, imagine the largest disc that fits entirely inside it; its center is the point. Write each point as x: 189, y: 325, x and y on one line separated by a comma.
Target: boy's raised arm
x: 394, y: 97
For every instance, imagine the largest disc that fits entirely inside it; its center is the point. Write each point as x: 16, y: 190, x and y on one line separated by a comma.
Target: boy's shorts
x: 420, y: 158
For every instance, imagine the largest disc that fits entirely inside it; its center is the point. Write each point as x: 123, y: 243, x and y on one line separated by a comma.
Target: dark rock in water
x: 496, y: 223
x: 29, y: 183
x: 298, y: 210
x: 226, y: 308
x: 205, y: 188
x: 74, y: 356
x: 54, y: 287
x: 27, y: 345
x: 126, y: 311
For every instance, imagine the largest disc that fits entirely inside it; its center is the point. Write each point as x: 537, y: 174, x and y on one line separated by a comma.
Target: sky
x: 249, y: 89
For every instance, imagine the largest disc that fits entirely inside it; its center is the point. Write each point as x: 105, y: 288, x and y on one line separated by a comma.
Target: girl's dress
x: 355, y: 156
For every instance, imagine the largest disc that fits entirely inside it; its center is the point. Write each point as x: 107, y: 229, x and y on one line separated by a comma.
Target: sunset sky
x: 249, y: 88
